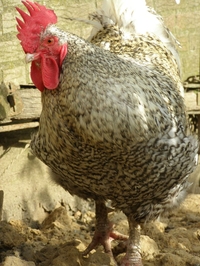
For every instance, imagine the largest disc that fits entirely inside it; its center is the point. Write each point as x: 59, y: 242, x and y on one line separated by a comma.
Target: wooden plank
x: 191, y: 86
x: 26, y: 104
x: 193, y: 112
x: 31, y: 104
x: 199, y: 127
x: 1, y: 203
x: 198, y: 98
x: 11, y: 127
x: 191, y: 102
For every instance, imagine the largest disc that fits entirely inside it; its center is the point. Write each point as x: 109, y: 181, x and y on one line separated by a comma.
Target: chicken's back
x: 133, y: 30
x: 115, y: 129
x: 144, y: 48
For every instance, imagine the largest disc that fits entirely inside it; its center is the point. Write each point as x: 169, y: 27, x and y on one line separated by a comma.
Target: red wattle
x: 36, y: 76
x: 50, y: 72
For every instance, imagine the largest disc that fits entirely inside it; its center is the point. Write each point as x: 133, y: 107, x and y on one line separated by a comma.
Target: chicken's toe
x: 104, y: 232
x: 104, y: 235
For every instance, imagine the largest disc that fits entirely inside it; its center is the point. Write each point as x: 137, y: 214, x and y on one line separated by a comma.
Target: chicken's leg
x: 133, y: 253
x: 104, y: 232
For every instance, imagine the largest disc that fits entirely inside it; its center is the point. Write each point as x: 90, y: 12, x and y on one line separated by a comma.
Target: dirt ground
x: 59, y: 238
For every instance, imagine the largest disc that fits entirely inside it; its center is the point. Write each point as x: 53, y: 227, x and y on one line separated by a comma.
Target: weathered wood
x: 25, y: 113
x: 4, y: 105
x: 27, y: 104
x: 192, y: 94
x: 191, y: 102
x: 31, y: 104
x: 192, y: 86
x: 1, y: 202
x: 12, y: 127
x: 198, y: 99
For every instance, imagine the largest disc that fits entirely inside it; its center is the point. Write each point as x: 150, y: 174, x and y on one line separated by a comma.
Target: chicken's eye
x: 50, y: 41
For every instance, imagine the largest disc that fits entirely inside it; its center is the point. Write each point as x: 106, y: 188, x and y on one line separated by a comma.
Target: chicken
x: 110, y: 128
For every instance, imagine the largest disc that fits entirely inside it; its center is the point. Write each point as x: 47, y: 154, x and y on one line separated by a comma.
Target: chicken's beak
x: 31, y: 57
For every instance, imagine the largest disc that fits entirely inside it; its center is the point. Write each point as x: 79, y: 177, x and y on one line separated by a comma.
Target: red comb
x: 32, y: 25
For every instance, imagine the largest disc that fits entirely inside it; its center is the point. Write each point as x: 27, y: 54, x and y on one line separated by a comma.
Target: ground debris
x: 61, y: 238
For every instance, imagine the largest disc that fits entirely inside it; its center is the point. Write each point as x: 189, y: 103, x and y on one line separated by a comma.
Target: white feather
x: 135, y: 17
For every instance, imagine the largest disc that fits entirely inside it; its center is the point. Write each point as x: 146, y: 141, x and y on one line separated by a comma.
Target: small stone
x: 14, y: 261
x: 149, y: 247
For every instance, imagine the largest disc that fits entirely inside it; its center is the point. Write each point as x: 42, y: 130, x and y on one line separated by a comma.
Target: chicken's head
x: 44, y: 50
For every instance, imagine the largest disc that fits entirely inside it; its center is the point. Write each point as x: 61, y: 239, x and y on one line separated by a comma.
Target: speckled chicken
x: 110, y: 128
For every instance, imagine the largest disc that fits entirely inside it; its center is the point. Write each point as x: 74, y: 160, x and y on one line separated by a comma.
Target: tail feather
x: 134, y: 18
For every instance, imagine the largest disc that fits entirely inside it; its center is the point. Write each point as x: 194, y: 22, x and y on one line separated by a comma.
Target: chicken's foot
x: 133, y: 252
x: 104, y: 232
